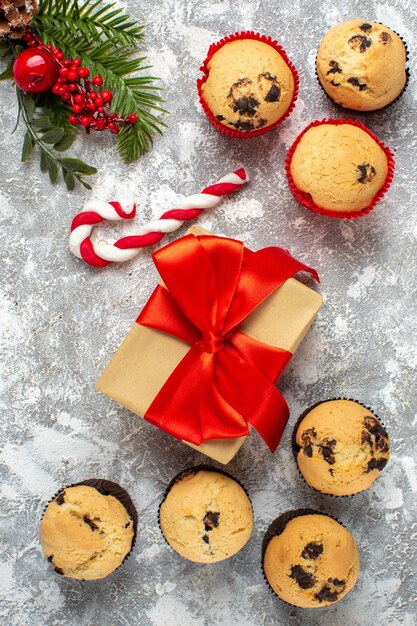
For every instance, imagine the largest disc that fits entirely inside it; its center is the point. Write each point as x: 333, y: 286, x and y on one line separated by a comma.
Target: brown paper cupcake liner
x: 305, y: 198
x: 296, y: 448
x: 224, y: 130
x: 188, y: 472
x: 355, y: 111
x: 276, y: 528
x: 106, y: 488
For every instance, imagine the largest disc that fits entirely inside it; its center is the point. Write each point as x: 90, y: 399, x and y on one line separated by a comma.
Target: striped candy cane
x: 100, y: 254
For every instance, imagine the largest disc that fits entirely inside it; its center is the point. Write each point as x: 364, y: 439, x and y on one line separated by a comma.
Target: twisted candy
x: 100, y: 254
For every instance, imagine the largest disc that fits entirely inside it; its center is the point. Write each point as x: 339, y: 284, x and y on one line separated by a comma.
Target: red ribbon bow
x: 226, y: 379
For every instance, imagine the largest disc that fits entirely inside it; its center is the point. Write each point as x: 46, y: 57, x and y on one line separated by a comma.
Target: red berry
x: 72, y: 87
x: 100, y: 109
x: 91, y: 106
x: 49, y: 46
x: 99, y: 101
x: 76, y: 62
x: 77, y: 108
x: 72, y: 119
x: 72, y: 76
x: 85, y: 120
x: 79, y: 99
x: 32, y: 43
x: 59, y: 55
x: 66, y: 62
x: 39, y: 47
x: 55, y: 89
x: 97, y: 80
x: 66, y: 96
x: 34, y: 71
x: 106, y: 95
x: 63, y: 71
x: 111, y: 125
x: 27, y: 37
x: 132, y: 118
x: 100, y: 124
x: 83, y: 72
x: 62, y: 90
x: 92, y: 95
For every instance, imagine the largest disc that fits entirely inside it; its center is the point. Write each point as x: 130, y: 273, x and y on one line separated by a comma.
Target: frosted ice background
x: 61, y: 321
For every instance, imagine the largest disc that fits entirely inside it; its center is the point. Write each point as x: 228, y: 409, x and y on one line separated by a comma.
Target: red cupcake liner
x: 306, y: 199
x: 224, y: 130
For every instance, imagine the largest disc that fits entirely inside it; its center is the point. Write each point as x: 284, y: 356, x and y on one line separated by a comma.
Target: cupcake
x: 361, y: 65
x: 339, y: 168
x: 206, y: 515
x: 340, y: 447
x: 88, y: 529
x: 309, y: 559
x: 249, y: 85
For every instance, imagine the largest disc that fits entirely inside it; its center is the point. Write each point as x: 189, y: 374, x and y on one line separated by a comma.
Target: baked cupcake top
x: 249, y: 85
x: 313, y: 562
x: 362, y: 65
x: 206, y: 517
x: 85, y: 534
x: 341, y: 166
x: 341, y: 447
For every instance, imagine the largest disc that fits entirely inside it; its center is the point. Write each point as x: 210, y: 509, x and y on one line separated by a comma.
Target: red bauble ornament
x: 34, y: 70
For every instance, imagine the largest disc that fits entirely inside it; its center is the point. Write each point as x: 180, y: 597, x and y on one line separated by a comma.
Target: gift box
x: 203, y: 357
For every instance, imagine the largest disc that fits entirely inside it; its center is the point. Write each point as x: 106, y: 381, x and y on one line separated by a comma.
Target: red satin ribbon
x: 226, y: 379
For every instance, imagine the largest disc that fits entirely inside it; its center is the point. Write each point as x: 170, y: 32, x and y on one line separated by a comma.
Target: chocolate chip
x: 326, y: 594
x: 385, y: 37
x: 336, y: 582
x: 366, y: 175
x: 327, y: 450
x: 206, y: 539
x: 273, y: 94
x: 312, y: 550
x: 261, y: 122
x: 89, y: 522
x: 356, y: 83
x: 59, y: 571
x: 360, y: 43
x: 381, y: 463
x: 334, y: 68
x: 331, y: 471
x: 50, y: 558
x: 211, y: 520
x: 220, y: 118
x: 244, y: 126
x: 246, y: 105
x: 127, y: 524
x: 365, y: 436
x: 304, y: 579
x: 374, y: 426
x: 365, y: 27
x: 308, y: 451
x: 371, y: 465
x: 335, y: 84
x: 60, y: 498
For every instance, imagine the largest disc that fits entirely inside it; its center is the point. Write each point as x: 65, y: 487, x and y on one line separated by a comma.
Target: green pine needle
x: 106, y: 39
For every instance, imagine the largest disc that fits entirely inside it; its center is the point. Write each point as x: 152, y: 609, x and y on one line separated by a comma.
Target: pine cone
x: 15, y: 17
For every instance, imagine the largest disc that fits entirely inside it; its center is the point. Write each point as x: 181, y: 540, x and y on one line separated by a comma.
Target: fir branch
x: 42, y: 133
x: 105, y: 39
x: 93, y: 20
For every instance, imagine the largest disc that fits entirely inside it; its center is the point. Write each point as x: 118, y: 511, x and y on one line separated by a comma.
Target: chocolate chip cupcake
x: 361, y: 65
x: 339, y: 168
x: 340, y: 447
x: 309, y: 559
x: 206, y: 515
x: 249, y: 85
x: 88, y: 529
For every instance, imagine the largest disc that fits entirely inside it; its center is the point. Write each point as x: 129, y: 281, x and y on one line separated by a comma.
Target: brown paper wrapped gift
x: 147, y: 357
